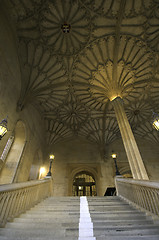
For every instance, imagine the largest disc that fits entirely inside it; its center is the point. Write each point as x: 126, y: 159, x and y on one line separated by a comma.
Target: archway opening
x: 84, y: 184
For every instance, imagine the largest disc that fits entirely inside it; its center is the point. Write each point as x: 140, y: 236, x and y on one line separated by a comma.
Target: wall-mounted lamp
x: 51, y: 160
x: 114, y: 156
x: 155, y: 121
x: 3, y: 128
x: 42, y: 172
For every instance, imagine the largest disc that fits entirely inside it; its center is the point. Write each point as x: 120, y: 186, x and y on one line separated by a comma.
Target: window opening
x: 7, y: 148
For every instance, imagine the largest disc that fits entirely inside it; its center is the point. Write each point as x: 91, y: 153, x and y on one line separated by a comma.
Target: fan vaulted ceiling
x: 74, y: 54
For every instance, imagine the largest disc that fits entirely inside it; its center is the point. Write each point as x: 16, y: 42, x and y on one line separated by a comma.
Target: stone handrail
x: 16, y: 198
x: 142, y: 193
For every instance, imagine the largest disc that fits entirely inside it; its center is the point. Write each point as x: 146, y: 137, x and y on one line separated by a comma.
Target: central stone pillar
x: 136, y: 163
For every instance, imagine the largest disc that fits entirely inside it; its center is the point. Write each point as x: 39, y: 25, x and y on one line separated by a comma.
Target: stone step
x: 110, y: 206
x: 42, y: 211
x: 127, y: 232
x: 94, y: 207
x: 125, y: 227
x: 124, y: 215
x: 94, y: 217
x: 103, y: 198
x: 46, y: 220
x: 148, y: 237
x: 118, y: 231
x: 126, y: 211
x: 113, y: 199
x: 54, y: 203
x: 114, y: 216
x: 58, y: 204
x: 98, y: 202
x: 50, y: 215
x: 58, y: 207
x: 40, y: 225
x: 121, y: 223
x: 37, y: 238
x: 60, y: 199
x: 105, y: 204
x: 75, y: 211
x: 113, y: 209
x: 31, y: 233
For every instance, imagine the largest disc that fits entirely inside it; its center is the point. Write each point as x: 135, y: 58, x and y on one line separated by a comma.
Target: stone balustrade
x: 142, y: 193
x: 16, y: 198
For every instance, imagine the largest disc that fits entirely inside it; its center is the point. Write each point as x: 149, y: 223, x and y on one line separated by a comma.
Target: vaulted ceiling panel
x: 75, y: 54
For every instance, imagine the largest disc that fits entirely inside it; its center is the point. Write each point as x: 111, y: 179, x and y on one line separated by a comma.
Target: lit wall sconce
x: 114, y: 156
x: 3, y: 128
x: 51, y: 160
x: 155, y: 121
x: 42, y: 172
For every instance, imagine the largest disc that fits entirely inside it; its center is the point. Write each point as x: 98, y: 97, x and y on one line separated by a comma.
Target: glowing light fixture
x: 51, y: 160
x: 52, y: 156
x: 114, y: 156
x: 155, y: 121
x: 3, y: 128
x: 42, y: 172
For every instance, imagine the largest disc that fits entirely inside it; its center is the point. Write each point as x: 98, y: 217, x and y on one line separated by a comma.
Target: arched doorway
x: 84, y: 184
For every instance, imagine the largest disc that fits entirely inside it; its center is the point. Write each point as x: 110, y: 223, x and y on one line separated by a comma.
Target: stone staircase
x: 58, y: 219
x: 114, y: 219
x: 48, y: 220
